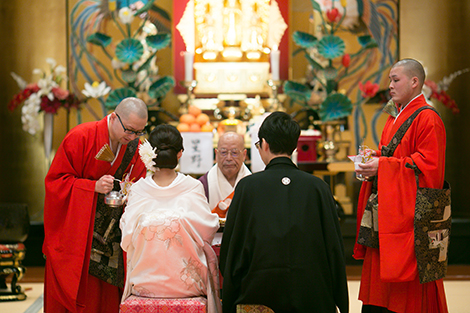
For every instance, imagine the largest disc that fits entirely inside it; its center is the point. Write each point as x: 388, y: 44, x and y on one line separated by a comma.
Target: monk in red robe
x: 390, y: 281
x: 82, y: 171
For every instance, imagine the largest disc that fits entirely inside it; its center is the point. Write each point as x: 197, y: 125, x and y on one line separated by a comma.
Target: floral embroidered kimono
x: 166, y: 232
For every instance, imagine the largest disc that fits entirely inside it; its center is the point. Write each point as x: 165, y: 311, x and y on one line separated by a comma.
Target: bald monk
x: 84, y: 262
x: 390, y: 281
x: 220, y: 181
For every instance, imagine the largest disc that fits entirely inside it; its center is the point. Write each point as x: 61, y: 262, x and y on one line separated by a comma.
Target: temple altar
x: 232, y: 77
x: 231, y: 46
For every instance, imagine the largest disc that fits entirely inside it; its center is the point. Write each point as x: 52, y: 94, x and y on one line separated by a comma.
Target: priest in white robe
x: 219, y: 183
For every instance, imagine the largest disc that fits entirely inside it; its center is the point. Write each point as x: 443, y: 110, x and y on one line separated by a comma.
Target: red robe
x: 390, y: 274
x: 69, y: 214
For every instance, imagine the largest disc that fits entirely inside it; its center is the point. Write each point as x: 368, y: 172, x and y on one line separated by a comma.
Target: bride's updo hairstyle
x: 168, y: 141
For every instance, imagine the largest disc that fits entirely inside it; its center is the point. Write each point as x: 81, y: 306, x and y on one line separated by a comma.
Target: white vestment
x: 219, y: 187
x: 166, y: 232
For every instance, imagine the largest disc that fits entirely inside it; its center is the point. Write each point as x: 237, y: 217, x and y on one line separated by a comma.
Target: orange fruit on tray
x: 194, y: 127
x: 183, y: 127
x: 187, y: 118
x: 207, y: 127
x: 194, y: 110
x: 202, y: 119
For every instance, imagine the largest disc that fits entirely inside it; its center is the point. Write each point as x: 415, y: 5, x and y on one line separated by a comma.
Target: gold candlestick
x: 276, y: 105
x: 189, y: 85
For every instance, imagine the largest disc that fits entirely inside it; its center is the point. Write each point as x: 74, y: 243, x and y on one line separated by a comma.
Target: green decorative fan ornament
x: 367, y: 42
x: 129, y: 50
x: 117, y: 95
x: 330, y: 73
x: 161, y: 87
x: 129, y: 76
x: 129, y: 63
x: 304, y: 40
x: 297, y: 92
x: 158, y: 41
x: 99, y: 39
x: 335, y: 106
x: 331, y: 47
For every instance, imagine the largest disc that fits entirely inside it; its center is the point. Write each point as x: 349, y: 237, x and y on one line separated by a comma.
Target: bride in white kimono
x: 167, y: 228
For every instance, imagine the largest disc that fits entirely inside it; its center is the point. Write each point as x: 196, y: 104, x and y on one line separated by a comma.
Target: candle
x: 275, y: 55
x: 188, y: 65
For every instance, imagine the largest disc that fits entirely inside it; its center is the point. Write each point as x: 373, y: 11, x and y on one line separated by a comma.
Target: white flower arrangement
x: 30, y: 114
x: 96, y: 89
x: 147, y: 155
x: 44, y: 95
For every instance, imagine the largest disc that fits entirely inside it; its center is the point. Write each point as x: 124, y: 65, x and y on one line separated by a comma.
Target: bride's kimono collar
x: 182, y: 184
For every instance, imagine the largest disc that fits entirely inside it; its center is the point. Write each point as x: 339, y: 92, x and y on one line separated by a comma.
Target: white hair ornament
x: 147, y: 155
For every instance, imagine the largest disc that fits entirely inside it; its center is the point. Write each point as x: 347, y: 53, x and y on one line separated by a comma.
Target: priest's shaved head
x: 128, y: 121
x: 220, y: 181
x: 413, y: 69
x: 230, y: 155
x: 132, y: 105
x: 406, y: 81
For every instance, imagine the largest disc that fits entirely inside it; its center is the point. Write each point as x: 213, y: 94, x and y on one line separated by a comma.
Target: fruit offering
x: 194, y: 121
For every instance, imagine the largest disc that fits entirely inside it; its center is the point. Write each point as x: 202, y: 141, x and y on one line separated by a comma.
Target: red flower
x: 50, y: 106
x: 71, y: 101
x: 346, y: 60
x: 446, y: 100
x: 62, y: 98
x: 333, y: 15
x: 33, y: 86
x: 431, y: 85
x: 60, y: 93
x: 368, y: 90
x: 22, y: 96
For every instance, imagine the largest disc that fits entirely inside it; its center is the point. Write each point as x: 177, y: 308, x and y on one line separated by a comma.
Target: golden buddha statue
x: 232, y: 41
x: 211, y: 44
x: 231, y: 30
x: 232, y: 21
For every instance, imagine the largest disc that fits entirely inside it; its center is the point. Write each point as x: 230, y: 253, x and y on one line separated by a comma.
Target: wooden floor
x: 454, y: 272
x: 456, y: 284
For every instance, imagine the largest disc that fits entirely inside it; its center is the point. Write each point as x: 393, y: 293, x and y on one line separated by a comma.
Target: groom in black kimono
x: 282, y: 246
